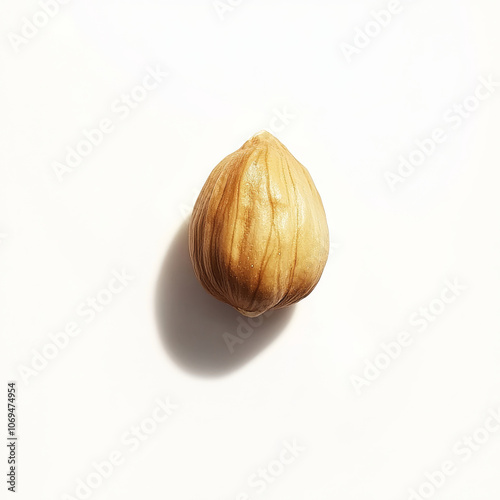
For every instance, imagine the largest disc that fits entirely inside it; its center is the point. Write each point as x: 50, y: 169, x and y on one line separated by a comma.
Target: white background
x: 229, y: 74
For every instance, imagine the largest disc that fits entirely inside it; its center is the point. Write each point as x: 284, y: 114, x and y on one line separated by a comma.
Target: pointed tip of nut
x: 263, y: 134
x: 263, y: 137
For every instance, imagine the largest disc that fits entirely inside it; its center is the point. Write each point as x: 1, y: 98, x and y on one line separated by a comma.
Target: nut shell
x: 258, y: 236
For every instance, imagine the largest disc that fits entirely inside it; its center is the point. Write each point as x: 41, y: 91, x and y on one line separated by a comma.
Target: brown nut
x: 258, y: 236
